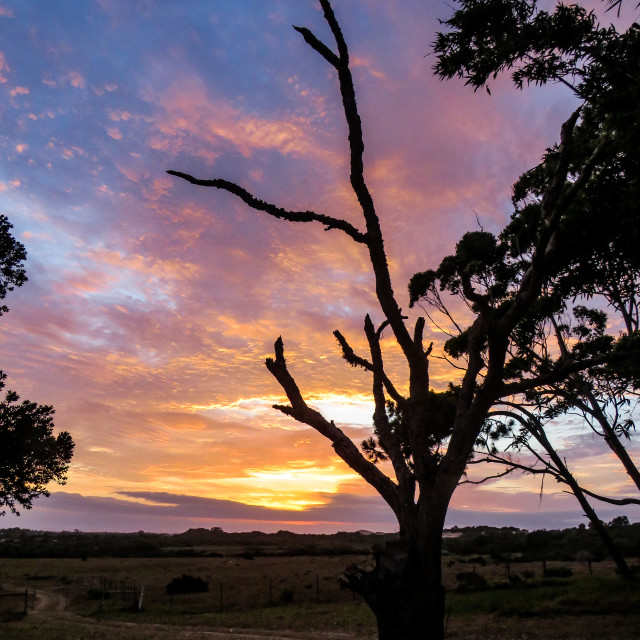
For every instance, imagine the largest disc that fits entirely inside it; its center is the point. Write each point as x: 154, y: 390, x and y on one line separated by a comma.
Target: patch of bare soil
x: 49, y: 600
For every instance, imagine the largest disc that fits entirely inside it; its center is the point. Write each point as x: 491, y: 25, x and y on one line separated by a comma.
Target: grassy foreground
x: 300, y: 597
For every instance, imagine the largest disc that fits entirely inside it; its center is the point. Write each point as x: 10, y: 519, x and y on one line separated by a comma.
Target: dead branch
x: 277, y: 212
x: 342, y: 445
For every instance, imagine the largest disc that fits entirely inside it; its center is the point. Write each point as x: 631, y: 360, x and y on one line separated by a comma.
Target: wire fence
x: 17, y: 602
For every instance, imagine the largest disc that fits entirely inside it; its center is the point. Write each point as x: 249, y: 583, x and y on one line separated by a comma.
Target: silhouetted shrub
x: 286, y: 595
x: 187, y: 584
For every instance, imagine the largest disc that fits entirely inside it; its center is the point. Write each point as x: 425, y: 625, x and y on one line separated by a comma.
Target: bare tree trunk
x: 404, y: 589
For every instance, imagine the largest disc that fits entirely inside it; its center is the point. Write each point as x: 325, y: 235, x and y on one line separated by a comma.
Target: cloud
x: 152, y: 304
x: 76, y: 80
x: 4, y: 67
x: 175, y: 513
x: 205, y: 126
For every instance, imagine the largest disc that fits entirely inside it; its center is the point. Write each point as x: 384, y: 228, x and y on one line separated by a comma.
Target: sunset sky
x: 152, y: 304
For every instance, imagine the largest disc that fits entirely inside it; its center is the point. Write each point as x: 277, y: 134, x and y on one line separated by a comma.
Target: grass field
x: 300, y: 597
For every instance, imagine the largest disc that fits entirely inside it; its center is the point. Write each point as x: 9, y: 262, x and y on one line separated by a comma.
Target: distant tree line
x: 491, y: 543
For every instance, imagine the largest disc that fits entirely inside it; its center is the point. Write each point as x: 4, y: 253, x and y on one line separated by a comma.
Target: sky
x: 152, y: 304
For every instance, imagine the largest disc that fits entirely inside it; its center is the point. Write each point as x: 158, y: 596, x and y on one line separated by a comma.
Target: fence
x: 17, y: 602
x: 104, y: 591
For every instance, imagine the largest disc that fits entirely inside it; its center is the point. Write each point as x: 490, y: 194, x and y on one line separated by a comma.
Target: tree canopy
x: 30, y: 455
x: 12, y: 257
x: 589, y: 305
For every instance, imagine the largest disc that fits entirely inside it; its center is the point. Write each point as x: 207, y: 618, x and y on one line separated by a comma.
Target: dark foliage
x: 470, y: 581
x: 30, y: 455
x: 474, y: 545
x: 187, y: 584
x: 12, y: 257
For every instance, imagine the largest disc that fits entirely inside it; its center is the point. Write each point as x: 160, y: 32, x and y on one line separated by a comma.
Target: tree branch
x: 356, y: 361
x: 384, y: 289
x: 618, y: 501
x: 318, y: 46
x: 342, y: 445
x: 277, y: 212
x: 557, y: 374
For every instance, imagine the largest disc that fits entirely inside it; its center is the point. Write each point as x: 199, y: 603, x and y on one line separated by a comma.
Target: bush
x: 286, y: 595
x: 470, y: 581
x: 187, y: 584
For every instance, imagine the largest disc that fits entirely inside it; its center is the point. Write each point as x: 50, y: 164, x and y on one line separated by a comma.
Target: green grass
x: 352, y: 616
x: 575, y: 596
x: 587, y: 605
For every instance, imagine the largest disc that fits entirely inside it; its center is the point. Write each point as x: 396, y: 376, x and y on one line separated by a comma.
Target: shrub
x: 286, y: 595
x: 470, y: 581
x: 187, y: 584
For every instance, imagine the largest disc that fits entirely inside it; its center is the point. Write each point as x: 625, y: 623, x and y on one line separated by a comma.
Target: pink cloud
x: 205, y: 127
x: 76, y: 79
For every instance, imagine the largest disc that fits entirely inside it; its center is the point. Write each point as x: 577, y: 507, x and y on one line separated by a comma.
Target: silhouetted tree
x: 522, y: 431
x: 30, y: 455
x: 600, y: 66
x: 12, y: 257
x: 429, y: 437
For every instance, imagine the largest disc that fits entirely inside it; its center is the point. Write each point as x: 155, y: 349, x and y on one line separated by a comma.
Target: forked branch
x: 357, y: 361
x: 342, y: 444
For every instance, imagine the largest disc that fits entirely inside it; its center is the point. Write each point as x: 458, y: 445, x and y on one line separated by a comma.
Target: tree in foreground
x: 600, y: 67
x: 30, y: 455
x: 428, y: 437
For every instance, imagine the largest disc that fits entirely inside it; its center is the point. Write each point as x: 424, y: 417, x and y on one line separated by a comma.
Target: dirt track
x: 48, y: 619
